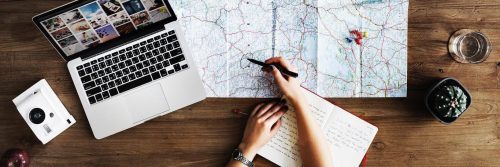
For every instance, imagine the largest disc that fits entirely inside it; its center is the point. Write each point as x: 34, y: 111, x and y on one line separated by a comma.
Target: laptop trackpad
x: 146, y: 102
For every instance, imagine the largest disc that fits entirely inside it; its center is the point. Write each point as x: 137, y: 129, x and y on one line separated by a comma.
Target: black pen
x: 282, y: 69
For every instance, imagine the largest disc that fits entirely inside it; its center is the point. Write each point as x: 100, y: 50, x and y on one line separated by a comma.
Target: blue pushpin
x: 349, y: 40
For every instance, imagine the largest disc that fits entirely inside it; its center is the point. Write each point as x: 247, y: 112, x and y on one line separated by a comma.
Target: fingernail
x: 268, y: 69
x: 282, y: 101
x: 285, y: 108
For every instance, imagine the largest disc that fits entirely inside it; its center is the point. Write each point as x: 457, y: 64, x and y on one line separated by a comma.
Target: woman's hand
x: 262, y: 125
x: 312, y: 141
x: 288, y: 85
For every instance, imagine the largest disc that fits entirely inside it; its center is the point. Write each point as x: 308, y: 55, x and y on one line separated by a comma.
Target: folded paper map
x: 342, y: 48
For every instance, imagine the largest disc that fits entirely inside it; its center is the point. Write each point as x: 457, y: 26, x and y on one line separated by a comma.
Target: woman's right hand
x: 288, y: 85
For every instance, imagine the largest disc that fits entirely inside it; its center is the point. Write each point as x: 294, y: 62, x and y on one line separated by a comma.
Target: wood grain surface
x: 204, y: 134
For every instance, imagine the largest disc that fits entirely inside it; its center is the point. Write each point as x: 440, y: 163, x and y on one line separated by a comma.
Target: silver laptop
x: 128, y: 60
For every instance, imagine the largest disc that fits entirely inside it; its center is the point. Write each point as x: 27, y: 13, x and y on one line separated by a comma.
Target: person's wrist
x: 296, y: 99
x: 248, y: 151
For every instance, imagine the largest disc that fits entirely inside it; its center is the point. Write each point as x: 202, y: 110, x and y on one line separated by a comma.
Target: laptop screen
x: 95, y: 23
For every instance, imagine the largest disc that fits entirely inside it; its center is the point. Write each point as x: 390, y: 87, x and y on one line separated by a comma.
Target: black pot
x: 432, y: 93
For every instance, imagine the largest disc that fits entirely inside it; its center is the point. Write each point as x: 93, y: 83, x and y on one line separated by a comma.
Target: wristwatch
x: 238, y: 156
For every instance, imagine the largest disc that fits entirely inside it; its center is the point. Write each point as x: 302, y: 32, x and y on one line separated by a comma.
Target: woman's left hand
x: 262, y: 125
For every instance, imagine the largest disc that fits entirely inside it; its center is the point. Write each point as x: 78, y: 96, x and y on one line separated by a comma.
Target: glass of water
x: 469, y: 46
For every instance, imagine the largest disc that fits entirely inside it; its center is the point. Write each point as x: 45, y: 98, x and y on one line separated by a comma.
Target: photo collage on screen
x: 101, y: 21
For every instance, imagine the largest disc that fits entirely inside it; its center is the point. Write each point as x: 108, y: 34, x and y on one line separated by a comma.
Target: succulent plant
x: 450, y: 101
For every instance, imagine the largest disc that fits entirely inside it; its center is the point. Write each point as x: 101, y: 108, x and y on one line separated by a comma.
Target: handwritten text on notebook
x: 349, y: 136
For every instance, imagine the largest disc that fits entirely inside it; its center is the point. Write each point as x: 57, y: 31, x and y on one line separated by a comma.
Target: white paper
x: 350, y: 137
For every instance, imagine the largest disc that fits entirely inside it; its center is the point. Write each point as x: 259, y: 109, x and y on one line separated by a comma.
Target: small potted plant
x: 448, y: 100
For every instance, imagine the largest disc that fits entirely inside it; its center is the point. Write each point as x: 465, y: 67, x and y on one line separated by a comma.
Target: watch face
x: 236, y: 153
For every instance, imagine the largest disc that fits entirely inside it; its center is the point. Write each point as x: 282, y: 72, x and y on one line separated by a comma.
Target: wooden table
x: 204, y: 134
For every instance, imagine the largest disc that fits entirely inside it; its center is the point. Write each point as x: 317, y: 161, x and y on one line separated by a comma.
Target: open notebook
x: 349, y: 136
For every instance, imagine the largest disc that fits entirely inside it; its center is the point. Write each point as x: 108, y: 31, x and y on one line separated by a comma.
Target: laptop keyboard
x: 136, y: 65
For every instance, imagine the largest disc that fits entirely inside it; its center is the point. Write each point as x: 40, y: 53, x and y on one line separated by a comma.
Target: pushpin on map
x: 349, y: 40
x: 357, y: 36
x: 358, y: 41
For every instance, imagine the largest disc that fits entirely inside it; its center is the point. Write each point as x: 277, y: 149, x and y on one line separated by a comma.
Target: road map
x: 314, y: 35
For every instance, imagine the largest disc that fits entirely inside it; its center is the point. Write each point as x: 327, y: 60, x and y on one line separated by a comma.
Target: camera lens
x: 37, y: 115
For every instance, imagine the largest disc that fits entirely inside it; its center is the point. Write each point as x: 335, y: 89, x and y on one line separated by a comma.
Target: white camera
x: 43, y: 111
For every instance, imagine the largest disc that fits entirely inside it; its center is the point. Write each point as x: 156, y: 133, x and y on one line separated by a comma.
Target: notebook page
x: 350, y: 137
x: 283, y: 148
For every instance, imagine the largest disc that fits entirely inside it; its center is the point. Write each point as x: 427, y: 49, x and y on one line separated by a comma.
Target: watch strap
x: 242, y: 159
